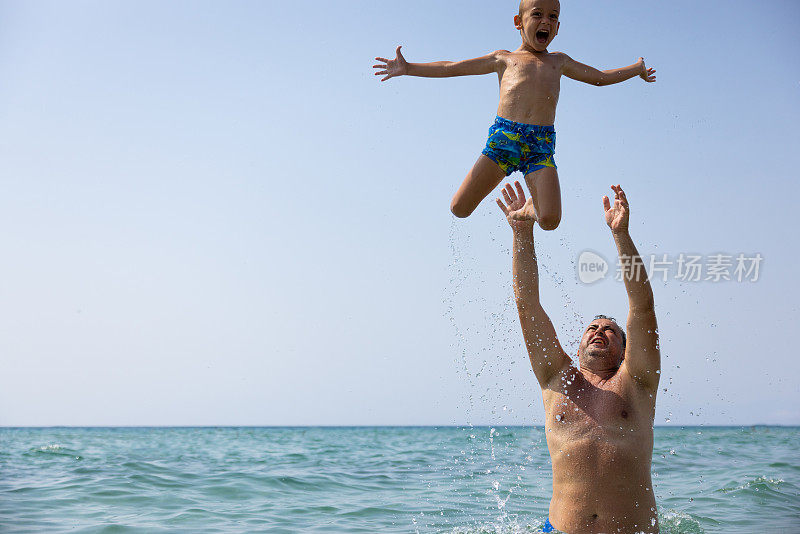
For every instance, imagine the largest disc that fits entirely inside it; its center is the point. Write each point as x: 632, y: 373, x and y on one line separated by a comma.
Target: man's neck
x: 598, y: 375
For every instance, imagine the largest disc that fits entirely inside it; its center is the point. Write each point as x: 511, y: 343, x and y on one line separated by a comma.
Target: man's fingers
x: 384, y: 79
x: 507, y: 197
x: 511, y: 192
x: 381, y: 66
x: 502, y: 207
x: 382, y: 59
x: 381, y: 73
x: 398, y: 51
x: 520, y: 191
x: 606, y: 203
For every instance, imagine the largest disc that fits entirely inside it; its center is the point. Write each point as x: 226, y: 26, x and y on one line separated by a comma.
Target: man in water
x: 598, y: 415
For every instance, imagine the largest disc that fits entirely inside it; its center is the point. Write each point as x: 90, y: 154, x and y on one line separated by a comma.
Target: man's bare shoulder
x: 561, y: 378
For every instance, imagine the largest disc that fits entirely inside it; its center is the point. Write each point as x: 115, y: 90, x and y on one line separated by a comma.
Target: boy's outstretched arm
x: 584, y: 73
x: 548, y: 358
x: 389, y: 68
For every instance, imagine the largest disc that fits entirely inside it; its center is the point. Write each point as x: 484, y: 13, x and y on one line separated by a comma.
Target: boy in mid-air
x: 522, y: 137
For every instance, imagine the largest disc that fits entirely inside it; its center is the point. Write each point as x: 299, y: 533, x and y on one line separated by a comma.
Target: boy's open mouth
x: 542, y: 36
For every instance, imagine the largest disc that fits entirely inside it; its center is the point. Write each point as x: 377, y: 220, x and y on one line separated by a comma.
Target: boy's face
x: 538, y: 22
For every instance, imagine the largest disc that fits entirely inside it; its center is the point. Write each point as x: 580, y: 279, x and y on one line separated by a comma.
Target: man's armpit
x: 644, y: 377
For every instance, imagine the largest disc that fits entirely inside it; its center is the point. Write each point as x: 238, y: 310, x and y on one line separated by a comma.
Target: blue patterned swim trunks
x: 515, y: 146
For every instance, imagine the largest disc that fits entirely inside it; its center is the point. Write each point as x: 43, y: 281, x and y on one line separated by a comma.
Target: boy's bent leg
x: 480, y: 181
x: 546, y: 192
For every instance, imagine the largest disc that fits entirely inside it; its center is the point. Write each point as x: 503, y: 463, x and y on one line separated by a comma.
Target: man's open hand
x: 391, y: 67
x: 517, y: 210
x: 648, y: 75
x: 617, y: 215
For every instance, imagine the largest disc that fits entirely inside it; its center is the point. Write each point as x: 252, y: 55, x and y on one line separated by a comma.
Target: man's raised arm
x: 545, y: 352
x: 642, y: 355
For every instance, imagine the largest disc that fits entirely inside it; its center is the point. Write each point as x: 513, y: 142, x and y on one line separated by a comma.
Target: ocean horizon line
x: 482, y: 425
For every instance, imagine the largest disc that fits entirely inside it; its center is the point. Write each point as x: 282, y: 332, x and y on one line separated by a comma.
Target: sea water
x: 369, y: 479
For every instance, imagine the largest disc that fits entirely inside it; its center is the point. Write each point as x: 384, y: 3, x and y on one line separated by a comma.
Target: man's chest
x: 580, y: 409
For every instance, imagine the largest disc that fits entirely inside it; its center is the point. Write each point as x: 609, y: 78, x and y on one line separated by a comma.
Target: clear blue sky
x: 213, y: 213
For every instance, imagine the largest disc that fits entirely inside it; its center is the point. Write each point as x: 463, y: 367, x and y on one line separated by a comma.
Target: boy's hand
x: 648, y: 75
x: 617, y: 215
x: 519, y: 212
x: 392, y: 67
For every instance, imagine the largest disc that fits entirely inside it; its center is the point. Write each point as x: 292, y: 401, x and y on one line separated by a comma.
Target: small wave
x: 759, y: 483
x: 369, y: 511
x: 148, y: 480
x: 512, y: 527
x: 142, y: 466
x: 670, y: 522
x: 308, y: 484
x: 781, y: 464
x: 677, y: 522
x: 309, y: 510
x: 110, y: 492
x: 54, y: 450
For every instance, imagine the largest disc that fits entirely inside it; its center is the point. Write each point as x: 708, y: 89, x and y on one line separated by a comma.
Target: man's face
x: 538, y: 22
x: 602, y: 340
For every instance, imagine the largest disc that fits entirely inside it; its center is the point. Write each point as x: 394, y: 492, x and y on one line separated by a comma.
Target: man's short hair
x: 624, y: 337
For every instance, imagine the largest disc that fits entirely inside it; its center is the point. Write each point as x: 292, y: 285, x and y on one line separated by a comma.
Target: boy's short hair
x: 523, y: 2
x: 624, y: 337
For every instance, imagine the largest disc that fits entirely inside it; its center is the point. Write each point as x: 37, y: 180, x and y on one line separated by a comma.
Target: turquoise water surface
x: 369, y: 479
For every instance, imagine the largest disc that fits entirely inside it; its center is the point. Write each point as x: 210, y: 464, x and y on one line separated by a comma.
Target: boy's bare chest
x: 532, y: 70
